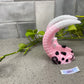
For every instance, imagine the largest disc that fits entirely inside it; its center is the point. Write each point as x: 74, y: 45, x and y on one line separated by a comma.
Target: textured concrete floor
x: 36, y: 67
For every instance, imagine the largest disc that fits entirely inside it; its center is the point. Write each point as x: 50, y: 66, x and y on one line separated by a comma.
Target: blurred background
x: 16, y: 16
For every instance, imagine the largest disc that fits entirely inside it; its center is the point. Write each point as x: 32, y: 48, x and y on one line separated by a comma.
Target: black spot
x: 64, y: 53
x: 72, y: 51
x: 55, y: 59
x: 59, y: 62
x: 67, y: 60
x: 62, y: 58
x: 63, y: 46
x: 57, y: 53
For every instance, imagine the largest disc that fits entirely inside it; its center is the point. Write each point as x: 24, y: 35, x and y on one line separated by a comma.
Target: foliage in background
x: 35, y: 37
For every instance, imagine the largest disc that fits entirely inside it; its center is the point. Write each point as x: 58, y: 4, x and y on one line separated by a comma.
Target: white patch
x: 60, y: 18
x: 66, y: 23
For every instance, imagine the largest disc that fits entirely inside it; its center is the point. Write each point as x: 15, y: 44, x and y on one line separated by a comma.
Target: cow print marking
x: 64, y: 53
x: 57, y: 53
x: 63, y: 46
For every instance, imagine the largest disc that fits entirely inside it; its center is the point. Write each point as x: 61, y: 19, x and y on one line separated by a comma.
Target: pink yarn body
x: 60, y: 54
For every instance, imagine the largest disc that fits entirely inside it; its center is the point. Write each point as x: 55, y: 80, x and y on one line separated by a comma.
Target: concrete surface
x: 36, y: 67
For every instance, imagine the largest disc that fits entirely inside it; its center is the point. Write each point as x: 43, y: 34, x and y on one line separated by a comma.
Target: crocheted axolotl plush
x: 59, y: 54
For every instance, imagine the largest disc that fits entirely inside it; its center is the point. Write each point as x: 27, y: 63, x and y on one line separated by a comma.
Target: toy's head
x: 60, y: 54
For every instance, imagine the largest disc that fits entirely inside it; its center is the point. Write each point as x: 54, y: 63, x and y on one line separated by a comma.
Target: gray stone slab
x: 69, y: 7
x: 8, y: 31
x: 65, y: 7
x: 59, y: 7
x: 44, y: 13
x: 23, y: 27
x: 17, y: 11
x: 36, y: 67
x: 80, y: 4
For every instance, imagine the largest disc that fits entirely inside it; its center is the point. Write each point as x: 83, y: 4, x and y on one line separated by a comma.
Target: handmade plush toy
x: 60, y: 54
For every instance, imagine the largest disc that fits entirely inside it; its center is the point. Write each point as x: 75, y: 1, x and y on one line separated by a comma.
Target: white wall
x: 16, y: 16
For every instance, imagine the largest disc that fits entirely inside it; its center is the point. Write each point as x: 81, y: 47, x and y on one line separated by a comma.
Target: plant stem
x: 10, y: 54
x: 32, y: 43
x: 2, y: 57
x: 29, y: 39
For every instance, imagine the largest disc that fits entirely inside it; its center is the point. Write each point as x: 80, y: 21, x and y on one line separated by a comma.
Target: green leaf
x: 22, y: 45
x: 41, y: 32
x: 29, y: 34
x: 35, y: 31
x: 29, y: 30
x: 80, y: 16
x: 32, y: 36
x: 71, y: 28
x: 80, y: 33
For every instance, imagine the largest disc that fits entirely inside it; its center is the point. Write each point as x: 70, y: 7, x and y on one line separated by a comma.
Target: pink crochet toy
x: 60, y: 54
